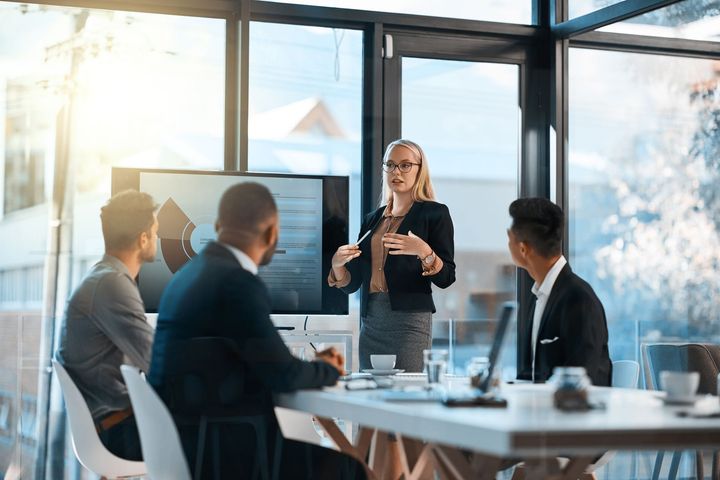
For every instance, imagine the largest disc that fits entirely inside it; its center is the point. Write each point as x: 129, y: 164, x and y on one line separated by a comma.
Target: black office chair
x: 206, y: 386
x: 703, y: 358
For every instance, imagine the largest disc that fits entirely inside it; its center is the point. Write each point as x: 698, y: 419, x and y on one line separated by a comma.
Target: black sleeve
x: 247, y: 321
x: 441, y: 239
x: 583, y: 319
x: 354, y: 266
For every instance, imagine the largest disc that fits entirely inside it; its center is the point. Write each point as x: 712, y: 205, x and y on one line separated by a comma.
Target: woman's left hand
x: 409, y: 244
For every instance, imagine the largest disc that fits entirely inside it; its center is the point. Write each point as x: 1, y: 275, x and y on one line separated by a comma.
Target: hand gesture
x: 409, y: 244
x: 333, y: 357
x: 344, y: 254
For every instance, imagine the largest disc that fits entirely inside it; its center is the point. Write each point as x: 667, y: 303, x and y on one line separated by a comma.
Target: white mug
x: 383, y: 362
x: 681, y: 385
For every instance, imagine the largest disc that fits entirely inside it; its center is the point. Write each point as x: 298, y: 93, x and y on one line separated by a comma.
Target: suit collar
x: 379, y: 214
x: 546, y: 287
x: 242, y: 258
x: 560, y: 282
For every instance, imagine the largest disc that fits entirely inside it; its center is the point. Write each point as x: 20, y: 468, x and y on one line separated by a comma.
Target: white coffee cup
x: 679, y: 385
x: 383, y: 362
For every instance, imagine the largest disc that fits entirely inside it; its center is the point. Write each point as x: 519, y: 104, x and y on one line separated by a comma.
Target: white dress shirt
x: 245, y: 261
x: 542, y: 293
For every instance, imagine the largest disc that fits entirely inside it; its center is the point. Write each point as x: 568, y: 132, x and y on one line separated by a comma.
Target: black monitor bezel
x: 334, y: 301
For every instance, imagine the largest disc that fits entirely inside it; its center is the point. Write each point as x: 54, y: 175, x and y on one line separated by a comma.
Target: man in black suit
x: 565, y: 325
x: 218, y: 294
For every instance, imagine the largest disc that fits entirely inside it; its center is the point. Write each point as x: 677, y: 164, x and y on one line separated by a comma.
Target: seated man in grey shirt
x: 105, y: 325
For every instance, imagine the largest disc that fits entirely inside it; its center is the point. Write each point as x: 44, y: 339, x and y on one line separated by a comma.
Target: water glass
x: 298, y: 351
x: 435, y: 366
x: 477, y: 370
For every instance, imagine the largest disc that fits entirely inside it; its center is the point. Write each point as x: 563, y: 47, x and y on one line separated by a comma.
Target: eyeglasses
x: 404, y: 167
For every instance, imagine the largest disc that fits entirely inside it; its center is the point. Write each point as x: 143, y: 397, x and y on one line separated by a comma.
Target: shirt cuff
x: 334, y: 282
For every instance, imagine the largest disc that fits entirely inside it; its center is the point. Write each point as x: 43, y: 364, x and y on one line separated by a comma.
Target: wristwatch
x: 429, y: 259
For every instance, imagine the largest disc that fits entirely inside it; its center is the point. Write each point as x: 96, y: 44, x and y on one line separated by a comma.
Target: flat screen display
x: 313, y: 213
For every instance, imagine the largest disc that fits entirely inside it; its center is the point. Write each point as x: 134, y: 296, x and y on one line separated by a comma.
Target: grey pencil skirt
x: 385, y: 331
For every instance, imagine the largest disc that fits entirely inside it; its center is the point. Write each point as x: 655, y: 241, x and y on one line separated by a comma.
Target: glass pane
x: 508, y: 11
x: 89, y: 89
x: 471, y: 135
x: 305, y: 110
x: 691, y: 19
x: 644, y: 209
x: 578, y: 8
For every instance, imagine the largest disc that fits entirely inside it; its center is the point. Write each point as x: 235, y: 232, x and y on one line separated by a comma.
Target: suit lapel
x: 528, y: 329
x: 407, y: 222
x: 562, y: 277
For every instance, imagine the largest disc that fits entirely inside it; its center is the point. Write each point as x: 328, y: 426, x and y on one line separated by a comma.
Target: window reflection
x: 644, y: 213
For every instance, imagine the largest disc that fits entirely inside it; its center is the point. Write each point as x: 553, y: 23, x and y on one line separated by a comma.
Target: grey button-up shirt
x: 104, y: 327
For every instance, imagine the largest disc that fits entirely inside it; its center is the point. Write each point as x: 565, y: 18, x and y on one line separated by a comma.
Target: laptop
x: 476, y: 396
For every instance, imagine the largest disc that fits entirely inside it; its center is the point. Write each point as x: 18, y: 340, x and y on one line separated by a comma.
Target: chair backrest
x: 159, y: 437
x: 207, y: 376
x: 703, y: 358
x: 88, y: 448
x: 625, y: 374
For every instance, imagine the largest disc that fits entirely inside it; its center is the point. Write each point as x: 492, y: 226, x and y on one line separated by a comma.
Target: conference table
x: 475, y: 442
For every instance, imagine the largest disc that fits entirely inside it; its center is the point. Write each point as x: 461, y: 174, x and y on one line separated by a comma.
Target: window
x: 577, y: 8
x: 644, y: 210
x: 111, y: 89
x: 470, y: 133
x: 690, y: 19
x: 305, y: 107
x: 510, y: 11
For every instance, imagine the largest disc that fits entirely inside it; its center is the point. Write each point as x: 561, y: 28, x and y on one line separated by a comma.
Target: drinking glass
x: 435, y: 366
x: 298, y: 351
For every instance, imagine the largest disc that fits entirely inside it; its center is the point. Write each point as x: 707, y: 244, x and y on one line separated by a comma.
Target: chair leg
x: 658, y: 466
x: 674, y: 465
x: 715, y: 475
x: 277, y: 455
x: 200, y: 451
x: 262, y: 450
x: 699, y: 467
x: 216, y: 450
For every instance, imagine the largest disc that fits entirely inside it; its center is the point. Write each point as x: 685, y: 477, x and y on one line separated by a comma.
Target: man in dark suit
x: 565, y: 325
x: 218, y: 294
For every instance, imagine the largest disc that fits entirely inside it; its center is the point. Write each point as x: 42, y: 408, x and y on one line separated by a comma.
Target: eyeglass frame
x: 397, y: 166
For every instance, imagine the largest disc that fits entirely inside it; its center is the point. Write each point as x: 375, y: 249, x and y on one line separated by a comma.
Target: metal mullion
x: 233, y: 47
x: 323, y: 16
x: 646, y: 44
x: 425, y: 44
x: 560, y: 119
x: 241, y: 161
x: 190, y: 8
x: 605, y: 16
x: 372, y: 121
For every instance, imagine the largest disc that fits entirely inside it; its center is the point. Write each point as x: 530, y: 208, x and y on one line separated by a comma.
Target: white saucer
x: 691, y: 400
x: 379, y: 372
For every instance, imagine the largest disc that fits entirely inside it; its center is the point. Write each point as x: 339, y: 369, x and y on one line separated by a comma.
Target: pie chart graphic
x: 175, y: 231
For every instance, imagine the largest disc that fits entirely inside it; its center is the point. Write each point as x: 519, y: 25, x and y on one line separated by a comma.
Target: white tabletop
x: 529, y: 426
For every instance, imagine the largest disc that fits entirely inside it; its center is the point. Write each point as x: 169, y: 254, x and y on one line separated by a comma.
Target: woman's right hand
x: 344, y: 254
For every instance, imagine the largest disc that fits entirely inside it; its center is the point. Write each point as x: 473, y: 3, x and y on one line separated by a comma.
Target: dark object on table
x: 571, y: 389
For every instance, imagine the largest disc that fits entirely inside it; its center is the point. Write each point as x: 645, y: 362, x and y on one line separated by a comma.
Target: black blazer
x: 574, y: 315
x: 409, y: 291
x: 213, y: 296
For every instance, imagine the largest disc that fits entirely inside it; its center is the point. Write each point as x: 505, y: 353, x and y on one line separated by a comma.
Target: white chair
x: 89, y: 450
x: 159, y: 437
x: 626, y: 374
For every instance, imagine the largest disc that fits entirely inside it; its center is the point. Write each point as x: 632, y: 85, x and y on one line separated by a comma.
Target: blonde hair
x: 422, y: 191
